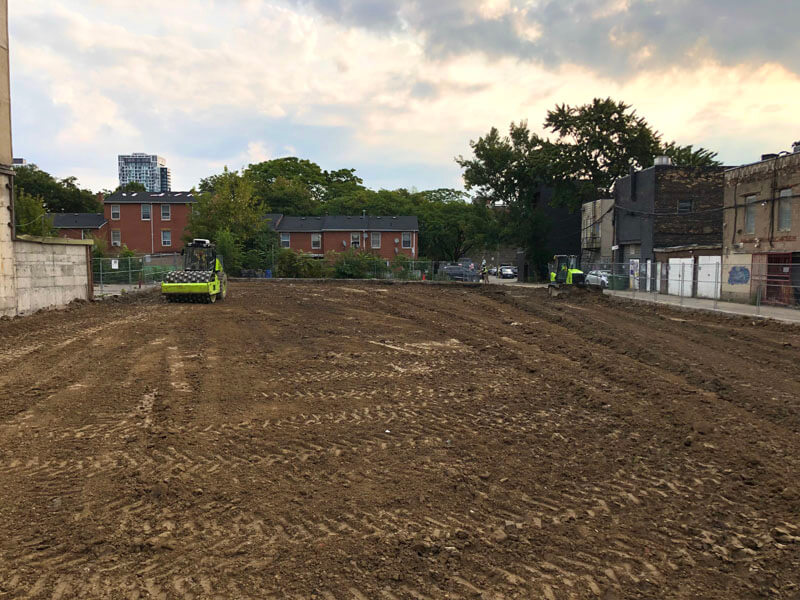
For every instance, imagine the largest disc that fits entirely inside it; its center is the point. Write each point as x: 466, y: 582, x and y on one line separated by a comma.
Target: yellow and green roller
x: 202, y: 279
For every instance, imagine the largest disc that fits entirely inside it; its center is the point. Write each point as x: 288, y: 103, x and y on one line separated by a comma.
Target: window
x: 355, y: 240
x: 785, y: 210
x: 750, y: 214
x: 286, y: 240
x: 145, y: 212
x: 684, y: 206
x: 375, y: 239
x: 316, y: 241
x: 116, y: 237
x: 406, y: 239
x: 166, y: 212
x: 115, y: 212
x: 166, y: 237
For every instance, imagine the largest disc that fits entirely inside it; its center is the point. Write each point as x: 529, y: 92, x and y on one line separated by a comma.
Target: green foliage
x: 133, y: 186
x: 59, y: 195
x: 595, y: 144
x: 289, y: 263
x: 353, y: 264
x: 687, y: 156
x: 100, y: 248
x: 31, y: 217
x: 230, y: 249
x: 125, y: 252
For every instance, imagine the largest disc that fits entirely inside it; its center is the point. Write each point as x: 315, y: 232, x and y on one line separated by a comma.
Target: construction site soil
x: 358, y: 441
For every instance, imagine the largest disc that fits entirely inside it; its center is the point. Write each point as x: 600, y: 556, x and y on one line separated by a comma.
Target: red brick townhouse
x: 385, y: 236
x: 148, y: 222
x: 80, y: 226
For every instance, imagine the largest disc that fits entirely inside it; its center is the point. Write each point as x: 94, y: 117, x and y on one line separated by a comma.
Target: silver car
x: 598, y: 278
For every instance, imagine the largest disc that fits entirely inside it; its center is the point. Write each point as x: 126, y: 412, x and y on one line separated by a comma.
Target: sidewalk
x: 779, y: 313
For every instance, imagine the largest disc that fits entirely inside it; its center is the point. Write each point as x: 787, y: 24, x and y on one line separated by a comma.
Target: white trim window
x: 406, y: 239
x: 750, y: 214
x: 355, y: 240
x: 286, y: 240
x: 316, y: 241
x: 166, y: 212
x: 785, y: 210
x: 115, y: 212
x: 146, y: 209
x: 166, y: 237
x: 116, y: 238
x: 375, y: 240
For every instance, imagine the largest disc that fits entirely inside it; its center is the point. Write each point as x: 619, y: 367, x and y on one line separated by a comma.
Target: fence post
x: 717, y: 280
x: 100, y: 260
x: 130, y: 275
x: 680, y: 290
x: 758, y: 300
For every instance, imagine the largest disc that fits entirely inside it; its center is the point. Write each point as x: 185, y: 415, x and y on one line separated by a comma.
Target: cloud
x: 608, y: 36
x: 395, y: 88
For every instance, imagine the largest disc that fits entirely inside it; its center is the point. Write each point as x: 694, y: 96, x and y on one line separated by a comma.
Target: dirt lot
x: 364, y: 441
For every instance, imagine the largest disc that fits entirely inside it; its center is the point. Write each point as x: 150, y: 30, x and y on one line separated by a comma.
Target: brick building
x: 385, y: 236
x: 597, y: 232
x: 80, y: 226
x: 761, y: 243
x: 148, y: 222
x: 671, y: 215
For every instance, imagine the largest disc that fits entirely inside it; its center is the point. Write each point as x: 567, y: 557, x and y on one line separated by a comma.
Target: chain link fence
x: 702, y: 277
x: 113, y: 275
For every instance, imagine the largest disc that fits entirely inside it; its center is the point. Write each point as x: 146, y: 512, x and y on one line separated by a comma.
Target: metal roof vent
x: 663, y: 161
x: 796, y: 147
x: 768, y: 156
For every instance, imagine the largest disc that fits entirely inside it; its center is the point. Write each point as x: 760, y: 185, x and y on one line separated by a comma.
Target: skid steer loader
x: 564, y: 274
x: 202, y: 280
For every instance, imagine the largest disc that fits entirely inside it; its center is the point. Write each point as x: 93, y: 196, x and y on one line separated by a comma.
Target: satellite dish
x: 396, y: 240
x: 344, y: 243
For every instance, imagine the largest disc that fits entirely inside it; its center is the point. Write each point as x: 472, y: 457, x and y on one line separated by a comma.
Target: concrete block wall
x: 8, y: 291
x: 49, y: 274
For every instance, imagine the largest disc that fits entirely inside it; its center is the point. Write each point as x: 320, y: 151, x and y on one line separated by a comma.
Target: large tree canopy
x: 58, y: 195
x: 593, y: 146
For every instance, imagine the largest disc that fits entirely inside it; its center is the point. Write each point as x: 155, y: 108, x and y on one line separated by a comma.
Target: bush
x: 358, y: 265
x: 298, y: 265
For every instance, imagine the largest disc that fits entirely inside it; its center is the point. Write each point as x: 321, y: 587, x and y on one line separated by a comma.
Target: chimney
x: 769, y: 156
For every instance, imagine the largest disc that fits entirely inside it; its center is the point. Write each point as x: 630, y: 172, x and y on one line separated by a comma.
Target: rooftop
x: 346, y: 223
x: 151, y: 198
x: 77, y: 220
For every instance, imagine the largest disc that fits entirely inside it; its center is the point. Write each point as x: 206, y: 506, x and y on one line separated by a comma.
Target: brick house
x: 148, y: 222
x: 668, y: 228
x: 80, y: 226
x: 761, y: 243
x: 385, y: 236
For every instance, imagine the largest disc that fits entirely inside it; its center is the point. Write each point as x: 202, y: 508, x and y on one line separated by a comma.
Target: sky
x: 393, y: 88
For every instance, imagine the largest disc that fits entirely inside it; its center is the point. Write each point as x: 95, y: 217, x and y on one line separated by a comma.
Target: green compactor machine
x: 202, y: 280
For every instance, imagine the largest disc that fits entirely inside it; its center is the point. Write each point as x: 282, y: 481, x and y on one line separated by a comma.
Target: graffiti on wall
x: 739, y: 276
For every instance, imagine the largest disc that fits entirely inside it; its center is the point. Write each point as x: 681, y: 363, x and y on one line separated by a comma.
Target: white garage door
x: 709, y: 270
x: 681, y: 274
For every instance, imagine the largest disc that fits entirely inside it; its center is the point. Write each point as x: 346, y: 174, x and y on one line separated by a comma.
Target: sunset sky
x: 393, y: 88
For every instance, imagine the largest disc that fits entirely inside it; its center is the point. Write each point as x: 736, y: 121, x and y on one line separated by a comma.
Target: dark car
x: 459, y: 273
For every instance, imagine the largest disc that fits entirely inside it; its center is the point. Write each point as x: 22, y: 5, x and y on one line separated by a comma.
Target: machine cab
x: 201, y: 255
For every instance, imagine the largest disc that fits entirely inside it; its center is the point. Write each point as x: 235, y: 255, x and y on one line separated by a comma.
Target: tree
x: 595, y: 144
x: 229, y: 214
x: 30, y: 216
x: 133, y: 186
x: 59, y: 196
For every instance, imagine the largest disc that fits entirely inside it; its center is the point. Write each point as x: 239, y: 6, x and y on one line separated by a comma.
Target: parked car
x: 492, y: 270
x: 459, y: 273
x: 507, y: 272
x: 598, y: 278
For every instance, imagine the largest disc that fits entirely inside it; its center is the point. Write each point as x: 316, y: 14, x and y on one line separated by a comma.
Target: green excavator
x: 202, y: 280
x: 564, y: 273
